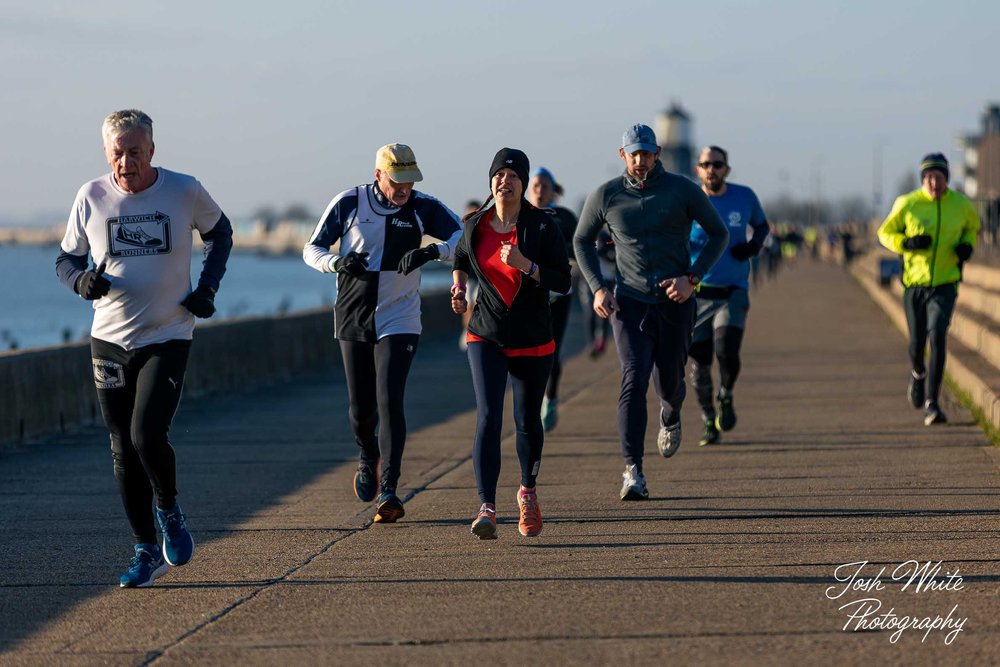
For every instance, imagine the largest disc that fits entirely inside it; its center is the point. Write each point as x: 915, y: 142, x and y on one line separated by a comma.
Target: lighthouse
x: 673, y: 131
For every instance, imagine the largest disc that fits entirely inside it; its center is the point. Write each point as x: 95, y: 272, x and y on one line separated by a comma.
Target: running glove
x: 964, y: 252
x: 744, y: 251
x: 353, y: 263
x: 414, y: 259
x: 92, y: 284
x: 201, y: 302
x: 918, y: 242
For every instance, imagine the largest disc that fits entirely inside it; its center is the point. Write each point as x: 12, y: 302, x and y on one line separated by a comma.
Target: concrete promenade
x: 733, y: 560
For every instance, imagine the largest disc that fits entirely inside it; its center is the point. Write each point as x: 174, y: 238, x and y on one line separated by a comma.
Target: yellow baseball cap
x: 398, y: 161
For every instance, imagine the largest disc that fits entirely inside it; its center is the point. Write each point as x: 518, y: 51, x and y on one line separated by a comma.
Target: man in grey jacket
x: 648, y: 212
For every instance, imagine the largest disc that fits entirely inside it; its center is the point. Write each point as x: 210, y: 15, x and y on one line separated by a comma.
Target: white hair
x: 124, y: 121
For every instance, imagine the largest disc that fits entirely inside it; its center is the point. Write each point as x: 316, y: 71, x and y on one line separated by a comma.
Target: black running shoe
x: 366, y: 480
x: 933, y: 414
x: 711, y: 435
x: 726, y: 419
x: 390, y: 508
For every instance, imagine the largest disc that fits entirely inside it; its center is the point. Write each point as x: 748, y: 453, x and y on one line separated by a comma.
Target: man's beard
x: 714, y: 186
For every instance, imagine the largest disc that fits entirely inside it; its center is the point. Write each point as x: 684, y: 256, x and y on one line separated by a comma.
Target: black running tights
x: 725, y: 345
x: 490, y: 368
x: 376, y: 383
x: 928, y: 316
x: 139, y: 391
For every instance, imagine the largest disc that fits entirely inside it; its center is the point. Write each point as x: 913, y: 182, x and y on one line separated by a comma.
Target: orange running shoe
x: 484, y: 526
x: 531, y: 514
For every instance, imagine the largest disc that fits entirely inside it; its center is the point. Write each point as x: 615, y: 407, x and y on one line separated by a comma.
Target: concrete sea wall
x: 50, y: 390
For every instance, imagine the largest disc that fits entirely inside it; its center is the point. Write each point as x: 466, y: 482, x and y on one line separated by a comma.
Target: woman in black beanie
x: 517, y: 253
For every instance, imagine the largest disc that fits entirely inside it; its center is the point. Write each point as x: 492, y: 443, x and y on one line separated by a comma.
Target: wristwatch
x: 693, y: 279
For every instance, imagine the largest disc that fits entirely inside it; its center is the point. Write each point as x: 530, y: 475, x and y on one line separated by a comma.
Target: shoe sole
x: 164, y: 548
x: 708, y: 441
x: 485, y: 530
x: 634, y: 495
x: 937, y: 419
x: 667, y: 451
x: 156, y: 574
x: 389, y: 515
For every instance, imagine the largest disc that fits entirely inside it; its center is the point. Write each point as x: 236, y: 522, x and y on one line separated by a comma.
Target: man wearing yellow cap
x: 934, y: 229
x: 379, y: 227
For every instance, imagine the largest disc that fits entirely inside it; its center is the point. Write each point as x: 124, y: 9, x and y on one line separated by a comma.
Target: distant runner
x: 723, y: 296
x: 934, y: 228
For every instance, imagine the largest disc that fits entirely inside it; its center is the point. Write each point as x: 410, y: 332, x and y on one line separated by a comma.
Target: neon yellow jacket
x: 949, y: 221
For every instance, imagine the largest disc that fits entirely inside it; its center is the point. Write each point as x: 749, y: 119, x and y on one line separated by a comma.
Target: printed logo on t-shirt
x: 735, y: 218
x: 145, y: 234
x: 108, y: 374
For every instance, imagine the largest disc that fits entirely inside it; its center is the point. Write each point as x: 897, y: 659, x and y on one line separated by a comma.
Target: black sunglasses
x: 718, y: 164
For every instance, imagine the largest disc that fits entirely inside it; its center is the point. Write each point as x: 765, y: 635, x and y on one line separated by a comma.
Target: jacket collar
x: 633, y: 184
x: 383, y: 202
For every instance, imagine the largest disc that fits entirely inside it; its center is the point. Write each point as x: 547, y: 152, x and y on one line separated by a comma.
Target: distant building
x: 674, y: 132
x: 980, y: 169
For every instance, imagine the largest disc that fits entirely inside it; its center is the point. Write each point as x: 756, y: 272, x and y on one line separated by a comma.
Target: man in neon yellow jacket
x: 934, y: 229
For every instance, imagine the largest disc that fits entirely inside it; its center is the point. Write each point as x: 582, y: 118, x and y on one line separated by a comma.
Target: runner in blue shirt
x: 723, y: 299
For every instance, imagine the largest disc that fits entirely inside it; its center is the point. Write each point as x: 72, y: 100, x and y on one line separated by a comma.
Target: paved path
x: 728, y: 563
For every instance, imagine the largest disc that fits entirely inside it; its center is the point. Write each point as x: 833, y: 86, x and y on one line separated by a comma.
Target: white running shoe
x: 668, y: 440
x: 633, y: 484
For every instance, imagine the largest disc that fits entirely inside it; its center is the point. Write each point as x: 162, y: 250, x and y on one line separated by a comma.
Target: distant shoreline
x: 30, y: 235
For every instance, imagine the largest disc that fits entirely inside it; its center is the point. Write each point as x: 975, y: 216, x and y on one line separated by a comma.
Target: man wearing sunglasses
x: 723, y: 299
x: 649, y: 213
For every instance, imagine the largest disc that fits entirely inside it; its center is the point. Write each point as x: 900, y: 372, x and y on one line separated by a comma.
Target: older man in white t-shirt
x: 136, y: 223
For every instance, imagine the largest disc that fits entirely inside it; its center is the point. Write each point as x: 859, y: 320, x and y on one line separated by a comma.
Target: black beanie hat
x: 511, y: 158
x: 934, y: 161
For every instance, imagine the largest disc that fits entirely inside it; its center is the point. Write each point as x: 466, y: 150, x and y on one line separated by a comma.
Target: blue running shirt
x: 740, y: 209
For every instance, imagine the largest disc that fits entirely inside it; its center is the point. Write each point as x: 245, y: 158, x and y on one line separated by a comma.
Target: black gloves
x: 744, y: 251
x: 352, y: 263
x: 414, y: 259
x: 918, y: 242
x: 964, y: 252
x: 201, y: 302
x: 92, y: 284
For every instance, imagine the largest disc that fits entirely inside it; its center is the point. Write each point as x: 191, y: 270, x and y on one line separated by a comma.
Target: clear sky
x: 286, y: 102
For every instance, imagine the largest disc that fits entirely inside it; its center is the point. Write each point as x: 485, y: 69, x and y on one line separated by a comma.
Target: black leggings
x: 725, y: 343
x: 560, y: 318
x: 528, y: 375
x: 928, y: 316
x: 376, y: 383
x: 139, y: 391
